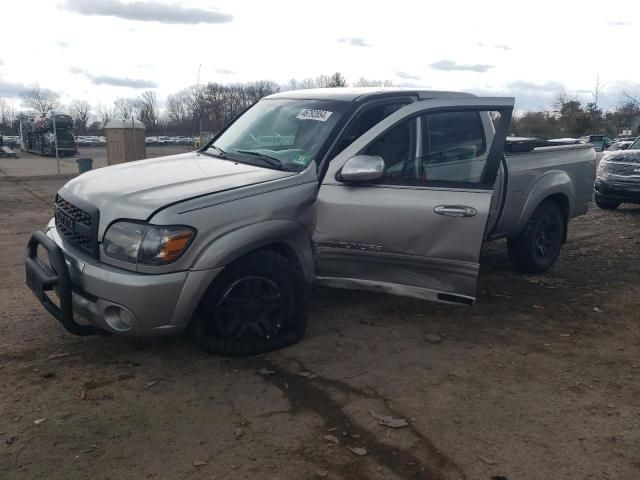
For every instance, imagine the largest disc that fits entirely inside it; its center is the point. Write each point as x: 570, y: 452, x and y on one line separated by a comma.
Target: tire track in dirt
x: 424, y: 461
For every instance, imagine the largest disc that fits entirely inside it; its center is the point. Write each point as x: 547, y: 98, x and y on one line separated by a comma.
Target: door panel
x: 393, y: 236
x: 418, y: 240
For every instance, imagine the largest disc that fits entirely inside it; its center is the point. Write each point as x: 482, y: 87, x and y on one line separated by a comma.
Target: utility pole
x: 55, y: 140
x: 133, y: 131
x: 199, y: 104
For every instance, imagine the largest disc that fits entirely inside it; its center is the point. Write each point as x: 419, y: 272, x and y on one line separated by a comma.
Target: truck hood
x: 137, y: 189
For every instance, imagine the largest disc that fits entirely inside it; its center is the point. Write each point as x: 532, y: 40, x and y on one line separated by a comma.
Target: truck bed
x: 565, y: 172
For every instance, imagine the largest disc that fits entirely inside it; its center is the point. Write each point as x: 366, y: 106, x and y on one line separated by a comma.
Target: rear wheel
x: 257, y: 304
x: 607, y: 205
x: 537, y: 247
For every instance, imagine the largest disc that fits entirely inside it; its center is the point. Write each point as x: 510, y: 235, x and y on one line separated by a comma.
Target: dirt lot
x: 28, y: 164
x: 540, y: 380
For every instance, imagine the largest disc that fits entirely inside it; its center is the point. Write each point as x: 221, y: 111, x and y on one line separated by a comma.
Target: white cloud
x: 115, y: 81
x: 451, y: 66
x: 355, y: 41
x: 406, y: 76
x: 11, y: 89
x: 146, y: 11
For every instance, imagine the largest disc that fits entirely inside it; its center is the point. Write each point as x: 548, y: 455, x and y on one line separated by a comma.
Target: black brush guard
x: 41, y: 278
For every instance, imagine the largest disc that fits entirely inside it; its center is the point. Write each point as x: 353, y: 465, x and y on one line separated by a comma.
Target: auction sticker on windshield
x: 312, y: 114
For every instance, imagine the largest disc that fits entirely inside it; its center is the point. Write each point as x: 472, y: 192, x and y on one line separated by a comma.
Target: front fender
x: 229, y: 247
x: 552, y: 182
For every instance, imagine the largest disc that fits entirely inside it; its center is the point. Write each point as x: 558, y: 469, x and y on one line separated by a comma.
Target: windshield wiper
x: 274, y: 162
x: 220, y: 153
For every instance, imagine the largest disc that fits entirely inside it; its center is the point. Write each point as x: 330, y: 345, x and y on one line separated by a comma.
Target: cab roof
x: 356, y: 94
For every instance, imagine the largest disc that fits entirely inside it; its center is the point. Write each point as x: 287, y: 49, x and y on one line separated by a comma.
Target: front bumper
x: 109, y: 298
x: 617, y: 191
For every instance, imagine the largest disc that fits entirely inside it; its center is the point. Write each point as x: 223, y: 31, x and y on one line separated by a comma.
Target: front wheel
x: 258, y: 303
x: 606, y: 205
x: 537, y: 247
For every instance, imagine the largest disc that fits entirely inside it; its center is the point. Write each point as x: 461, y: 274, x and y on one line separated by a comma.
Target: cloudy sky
x: 99, y: 50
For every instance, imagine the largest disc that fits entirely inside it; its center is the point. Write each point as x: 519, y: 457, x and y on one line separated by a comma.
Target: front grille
x: 77, y: 225
x: 624, y: 169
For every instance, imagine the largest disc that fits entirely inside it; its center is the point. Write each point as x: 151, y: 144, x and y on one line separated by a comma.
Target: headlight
x: 146, y: 244
x: 603, y: 169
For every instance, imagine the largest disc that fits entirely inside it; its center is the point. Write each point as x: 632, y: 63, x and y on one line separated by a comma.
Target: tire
x: 258, y: 304
x: 537, y: 247
x: 607, y: 205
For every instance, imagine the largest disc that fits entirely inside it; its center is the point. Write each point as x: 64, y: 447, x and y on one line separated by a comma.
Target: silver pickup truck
x: 389, y: 190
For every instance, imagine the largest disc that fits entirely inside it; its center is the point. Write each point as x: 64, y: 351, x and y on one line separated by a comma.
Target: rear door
x: 418, y: 231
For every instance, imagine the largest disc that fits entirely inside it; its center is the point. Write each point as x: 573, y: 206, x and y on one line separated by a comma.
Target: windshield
x: 635, y: 145
x: 292, y: 132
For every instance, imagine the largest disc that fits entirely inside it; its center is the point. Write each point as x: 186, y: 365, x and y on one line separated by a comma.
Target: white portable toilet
x: 125, y: 141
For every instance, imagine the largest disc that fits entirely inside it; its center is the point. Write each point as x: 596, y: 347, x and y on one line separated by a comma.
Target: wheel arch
x: 285, y: 237
x: 556, y: 187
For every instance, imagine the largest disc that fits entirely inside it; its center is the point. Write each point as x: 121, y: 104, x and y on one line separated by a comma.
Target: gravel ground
x: 539, y: 380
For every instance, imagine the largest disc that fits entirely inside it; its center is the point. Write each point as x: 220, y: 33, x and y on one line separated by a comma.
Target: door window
x: 453, y: 147
x: 397, y: 148
x: 437, y: 147
x: 366, y: 119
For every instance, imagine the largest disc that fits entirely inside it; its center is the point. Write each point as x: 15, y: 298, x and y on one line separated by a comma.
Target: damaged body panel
x: 413, y: 245
x: 391, y: 190
x: 428, y: 223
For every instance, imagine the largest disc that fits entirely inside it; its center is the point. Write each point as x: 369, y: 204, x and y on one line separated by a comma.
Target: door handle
x: 455, y: 211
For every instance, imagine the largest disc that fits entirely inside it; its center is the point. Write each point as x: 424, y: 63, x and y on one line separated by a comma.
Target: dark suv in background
x: 618, y: 177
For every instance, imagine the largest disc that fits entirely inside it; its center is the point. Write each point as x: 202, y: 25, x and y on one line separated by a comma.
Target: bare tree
x: 363, y: 82
x: 624, y: 114
x: 80, y: 112
x: 105, y: 114
x: 331, y: 81
x: 597, y: 89
x: 292, y: 84
x: 633, y: 99
x: 40, y: 99
x: 146, y: 106
x: 124, y: 107
x: 5, y: 116
x: 307, y: 83
x: 178, y: 109
x: 321, y: 81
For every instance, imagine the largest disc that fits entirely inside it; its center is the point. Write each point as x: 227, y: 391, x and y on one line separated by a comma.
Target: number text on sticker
x: 311, y: 114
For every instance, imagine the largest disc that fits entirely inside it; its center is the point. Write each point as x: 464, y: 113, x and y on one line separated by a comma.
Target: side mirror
x: 363, y: 168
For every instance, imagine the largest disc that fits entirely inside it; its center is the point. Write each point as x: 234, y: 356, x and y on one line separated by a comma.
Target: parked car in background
x: 618, y: 177
x: 565, y: 141
x: 599, y: 142
x: 388, y: 190
x: 11, y: 141
x: 161, y: 141
x: 91, y: 141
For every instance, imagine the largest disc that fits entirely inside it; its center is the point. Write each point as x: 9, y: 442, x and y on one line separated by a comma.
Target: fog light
x: 118, y: 318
